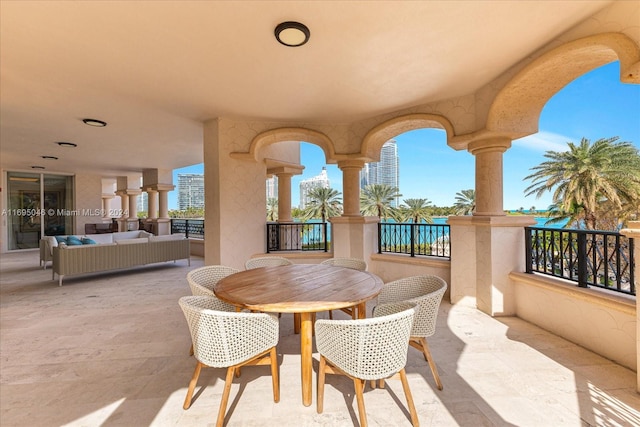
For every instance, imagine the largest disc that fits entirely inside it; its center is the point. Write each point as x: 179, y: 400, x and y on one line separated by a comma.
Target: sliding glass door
x: 37, y: 205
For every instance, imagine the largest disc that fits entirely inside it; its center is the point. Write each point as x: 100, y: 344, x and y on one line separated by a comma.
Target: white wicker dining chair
x: 353, y: 263
x: 426, y: 291
x: 203, y: 279
x: 229, y: 340
x: 266, y: 261
x: 366, y: 350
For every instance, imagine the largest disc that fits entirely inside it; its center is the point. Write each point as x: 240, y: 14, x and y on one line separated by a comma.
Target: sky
x: 593, y: 106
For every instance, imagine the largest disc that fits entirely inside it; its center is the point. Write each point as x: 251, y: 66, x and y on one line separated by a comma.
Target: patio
x: 112, y: 349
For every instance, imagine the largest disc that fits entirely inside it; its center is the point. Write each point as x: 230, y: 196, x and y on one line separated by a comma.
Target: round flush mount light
x: 66, y: 144
x: 37, y: 167
x: 94, y: 123
x: 292, y: 34
x: 49, y: 157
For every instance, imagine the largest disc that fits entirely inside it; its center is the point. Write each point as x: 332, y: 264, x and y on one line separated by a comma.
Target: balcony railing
x: 414, y: 239
x: 191, y: 228
x: 589, y: 258
x: 297, y: 236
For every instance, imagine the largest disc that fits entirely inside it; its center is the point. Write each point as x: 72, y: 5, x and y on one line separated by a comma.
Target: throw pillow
x: 61, y: 239
x: 73, y: 241
x: 88, y: 241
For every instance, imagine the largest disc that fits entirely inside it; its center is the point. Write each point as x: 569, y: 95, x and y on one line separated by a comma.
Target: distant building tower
x: 272, y: 187
x: 190, y: 191
x: 386, y: 171
x: 143, y: 203
x: 321, y: 180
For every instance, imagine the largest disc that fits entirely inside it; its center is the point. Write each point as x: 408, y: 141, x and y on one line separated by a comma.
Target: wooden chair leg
x: 192, y: 385
x: 275, y: 379
x: 407, y: 392
x: 330, y: 314
x: 191, y: 350
x: 432, y: 363
x: 321, y: 374
x: 225, y: 396
x: 359, y: 386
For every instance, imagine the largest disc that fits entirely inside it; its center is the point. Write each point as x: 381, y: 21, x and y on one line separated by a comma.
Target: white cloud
x: 544, y: 141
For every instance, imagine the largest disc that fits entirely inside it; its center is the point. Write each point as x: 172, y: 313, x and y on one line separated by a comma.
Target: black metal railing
x: 414, y: 239
x: 589, y: 258
x: 297, y: 236
x: 191, y: 228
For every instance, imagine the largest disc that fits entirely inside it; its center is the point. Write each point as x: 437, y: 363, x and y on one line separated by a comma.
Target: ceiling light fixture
x: 37, y: 167
x: 94, y: 123
x: 49, y: 157
x: 66, y: 144
x: 292, y: 34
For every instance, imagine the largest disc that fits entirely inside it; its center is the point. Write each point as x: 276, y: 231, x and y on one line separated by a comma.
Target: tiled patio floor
x: 112, y: 350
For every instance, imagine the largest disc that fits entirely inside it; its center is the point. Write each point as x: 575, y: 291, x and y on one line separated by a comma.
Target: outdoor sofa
x: 111, y: 251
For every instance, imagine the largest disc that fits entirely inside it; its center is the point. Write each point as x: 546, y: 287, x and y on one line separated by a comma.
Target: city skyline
x: 190, y: 191
x: 593, y: 106
x: 384, y: 172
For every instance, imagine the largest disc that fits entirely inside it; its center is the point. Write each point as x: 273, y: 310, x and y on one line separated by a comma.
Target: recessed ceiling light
x: 292, y: 34
x: 94, y: 122
x: 49, y: 157
x: 66, y: 144
x: 37, y: 167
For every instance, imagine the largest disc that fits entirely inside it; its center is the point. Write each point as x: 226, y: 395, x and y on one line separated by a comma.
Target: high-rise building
x: 190, y: 191
x: 272, y: 187
x: 143, y: 202
x: 321, y: 180
x: 386, y: 171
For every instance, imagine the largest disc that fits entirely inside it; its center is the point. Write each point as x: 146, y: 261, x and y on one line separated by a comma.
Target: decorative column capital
x: 350, y: 164
x: 498, y: 144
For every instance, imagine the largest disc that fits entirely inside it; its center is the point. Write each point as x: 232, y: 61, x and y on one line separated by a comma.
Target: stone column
x: 351, y: 186
x: 284, y: 174
x: 163, y: 203
x: 633, y: 232
x: 491, y: 243
x: 152, y: 204
x: 106, y: 207
x: 489, y: 194
x: 124, y: 203
x: 284, y: 197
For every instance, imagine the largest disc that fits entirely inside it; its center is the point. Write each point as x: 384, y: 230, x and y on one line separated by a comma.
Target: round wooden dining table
x: 302, y: 289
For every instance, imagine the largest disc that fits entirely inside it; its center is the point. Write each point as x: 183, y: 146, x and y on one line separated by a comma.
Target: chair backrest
x: 221, y: 339
x: 368, y: 349
x: 353, y: 263
x: 203, y: 279
x: 426, y: 291
x: 266, y: 261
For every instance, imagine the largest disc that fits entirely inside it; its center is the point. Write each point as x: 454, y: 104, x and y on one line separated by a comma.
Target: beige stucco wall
x: 595, y: 319
x: 88, y: 189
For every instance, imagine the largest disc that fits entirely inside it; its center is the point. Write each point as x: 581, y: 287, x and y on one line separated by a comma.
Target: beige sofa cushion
x: 166, y: 237
x: 100, y: 238
x: 133, y: 241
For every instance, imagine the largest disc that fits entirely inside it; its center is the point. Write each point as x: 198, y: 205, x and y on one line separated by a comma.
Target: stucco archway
x: 376, y: 137
x: 292, y: 134
x: 516, y: 109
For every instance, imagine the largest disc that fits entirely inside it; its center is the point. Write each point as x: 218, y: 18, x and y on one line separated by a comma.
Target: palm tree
x: 376, y: 199
x: 323, y: 203
x: 399, y: 215
x: 465, y: 202
x: 587, y: 175
x: 272, y: 209
x: 418, y: 210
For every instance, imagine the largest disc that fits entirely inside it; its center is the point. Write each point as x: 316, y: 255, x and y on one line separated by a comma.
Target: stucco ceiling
x: 156, y: 70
